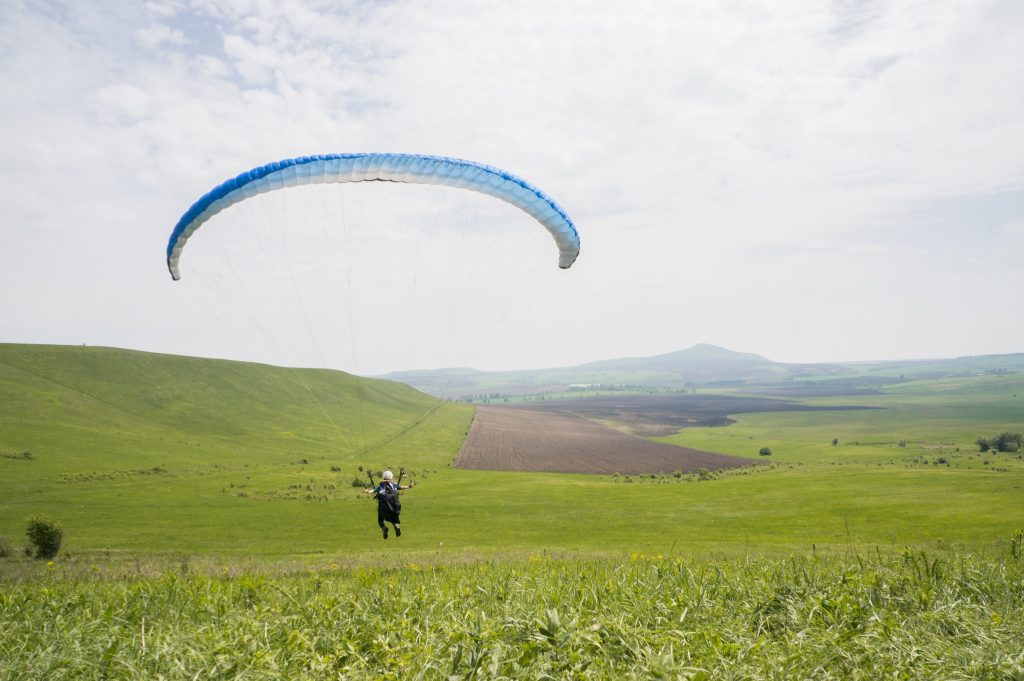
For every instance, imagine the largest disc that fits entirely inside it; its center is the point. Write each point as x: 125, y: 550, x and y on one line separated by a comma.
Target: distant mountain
x: 702, y: 360
x: 702, y: 365
x: 438, y: 381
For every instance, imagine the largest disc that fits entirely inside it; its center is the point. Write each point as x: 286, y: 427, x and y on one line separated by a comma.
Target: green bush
x: 765, y: 451
x: 45, y: 534
x: 1004, y: 442
x: 6, y: 550
x: 1008, y: 442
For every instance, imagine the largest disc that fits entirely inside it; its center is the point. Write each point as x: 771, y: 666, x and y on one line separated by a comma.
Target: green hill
x: 169, y: 405
x: 122, y: 442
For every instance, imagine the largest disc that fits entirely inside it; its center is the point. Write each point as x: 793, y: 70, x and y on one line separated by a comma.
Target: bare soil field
x: 519, y: 439
x: 659, y: 415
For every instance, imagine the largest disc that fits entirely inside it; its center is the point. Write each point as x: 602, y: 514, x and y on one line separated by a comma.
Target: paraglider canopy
x: 359, y: 167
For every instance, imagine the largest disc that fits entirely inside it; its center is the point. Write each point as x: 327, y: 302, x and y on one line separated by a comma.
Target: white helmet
x: 388, y: 475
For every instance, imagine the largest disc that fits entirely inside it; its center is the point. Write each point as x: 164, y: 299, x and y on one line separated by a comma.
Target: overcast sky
x: 810, y: 181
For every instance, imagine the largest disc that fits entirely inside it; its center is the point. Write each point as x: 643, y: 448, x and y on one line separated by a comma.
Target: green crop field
x: 216, y: 502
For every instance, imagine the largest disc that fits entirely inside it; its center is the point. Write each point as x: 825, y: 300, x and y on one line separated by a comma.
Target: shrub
x: 1004, y: 442
x: 835, y: 441
x: 1007, y: 442
x: 45, y: 534
x: 6, y: 550
x: 765, y: 451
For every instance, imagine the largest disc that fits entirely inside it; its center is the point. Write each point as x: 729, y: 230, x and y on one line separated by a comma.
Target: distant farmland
x: 516, y: 439
x: 660, y: 415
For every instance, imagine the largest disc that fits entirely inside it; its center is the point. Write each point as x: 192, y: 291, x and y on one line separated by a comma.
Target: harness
x: 387, y: 496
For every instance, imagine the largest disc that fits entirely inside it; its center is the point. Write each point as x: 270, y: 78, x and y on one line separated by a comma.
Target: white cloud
x: 157, y: 35
x: 1015, y: 227
x: 164, y: 8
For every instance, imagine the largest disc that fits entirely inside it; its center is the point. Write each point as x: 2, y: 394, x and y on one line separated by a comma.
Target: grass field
x: 156, y: 454
x: 905, y: 615
x: 213, y: 531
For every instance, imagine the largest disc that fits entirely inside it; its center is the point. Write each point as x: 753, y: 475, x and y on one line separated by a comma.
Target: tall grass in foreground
x: 905, y: 616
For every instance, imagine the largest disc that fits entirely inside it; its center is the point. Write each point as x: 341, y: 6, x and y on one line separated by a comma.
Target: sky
x: 811, y: 181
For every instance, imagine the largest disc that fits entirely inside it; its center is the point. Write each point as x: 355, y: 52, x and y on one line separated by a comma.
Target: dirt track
x: 508, y: 439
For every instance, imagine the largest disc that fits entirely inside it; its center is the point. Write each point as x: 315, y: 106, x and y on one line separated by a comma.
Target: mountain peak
x: 701, y: 358
x: 709, y: 351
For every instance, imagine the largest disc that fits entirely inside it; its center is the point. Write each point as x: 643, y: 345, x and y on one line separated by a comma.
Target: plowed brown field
x: 507, y: 439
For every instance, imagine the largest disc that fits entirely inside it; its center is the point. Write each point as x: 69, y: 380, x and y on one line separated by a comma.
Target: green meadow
x: 139, y: 453
x: 215, y: 527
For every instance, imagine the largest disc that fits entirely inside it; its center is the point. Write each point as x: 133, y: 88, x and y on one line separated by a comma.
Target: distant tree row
x: 1004, y: 442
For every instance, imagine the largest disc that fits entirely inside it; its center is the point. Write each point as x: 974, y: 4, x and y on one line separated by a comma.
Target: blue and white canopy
x: 414, y: 168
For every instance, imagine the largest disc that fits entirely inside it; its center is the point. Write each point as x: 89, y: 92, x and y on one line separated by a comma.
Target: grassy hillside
x: 103, y: 390
x: 144, y: 451
x: 140, y: 453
